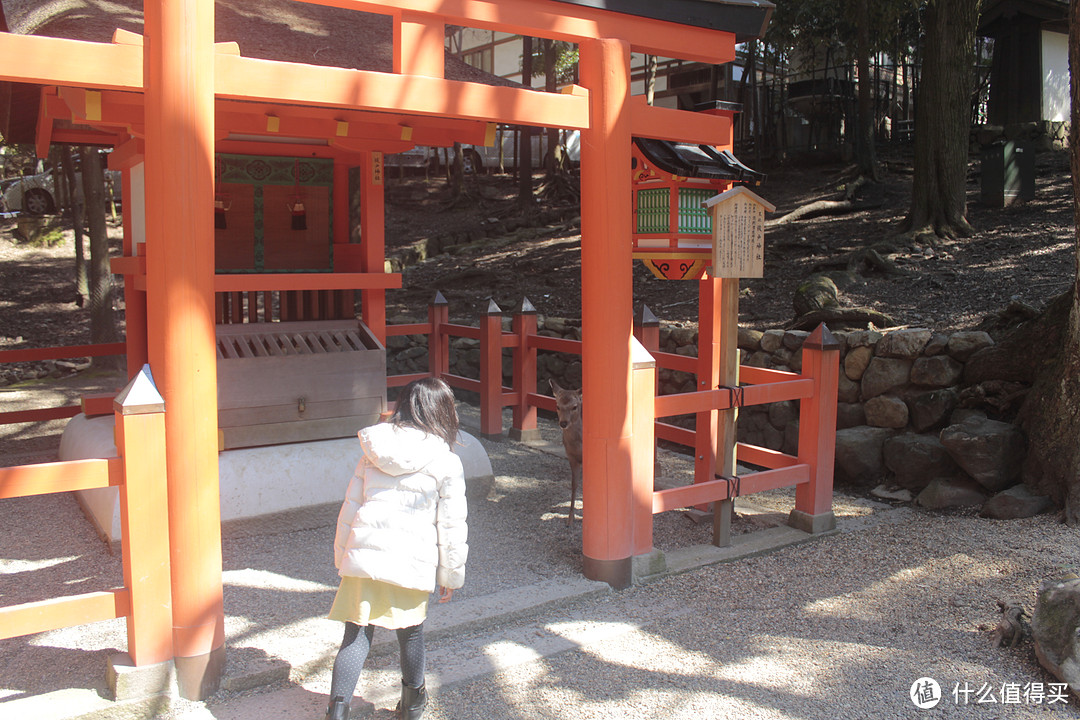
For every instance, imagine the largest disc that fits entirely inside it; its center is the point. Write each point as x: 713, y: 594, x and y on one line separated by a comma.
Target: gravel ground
x: 839, y: 627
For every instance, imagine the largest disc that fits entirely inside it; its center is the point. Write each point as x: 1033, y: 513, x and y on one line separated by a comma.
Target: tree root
x: 849, y: 202
x: 867, y: 259
x: 815, y: 209
x: 841, y: 316
x: 1011, y: 628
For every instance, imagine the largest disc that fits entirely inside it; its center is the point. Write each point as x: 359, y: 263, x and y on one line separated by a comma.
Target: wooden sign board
x: 738, y: 221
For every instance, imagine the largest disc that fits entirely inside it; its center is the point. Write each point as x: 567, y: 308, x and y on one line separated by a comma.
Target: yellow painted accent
x: 273, y: 123
x: 406, y: 132
x: 342, y: 128
x: 662, y: 254
x: 93, y: 105
x: 489, y: 134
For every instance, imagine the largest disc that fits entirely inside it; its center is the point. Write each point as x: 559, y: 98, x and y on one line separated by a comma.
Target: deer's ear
x: 554, y: 385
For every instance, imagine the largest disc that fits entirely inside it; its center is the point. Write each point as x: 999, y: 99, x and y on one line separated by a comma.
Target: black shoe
x: 412, y: 702
x: 338, y: 709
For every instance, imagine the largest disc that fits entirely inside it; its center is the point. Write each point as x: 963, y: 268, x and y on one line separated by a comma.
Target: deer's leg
x: 575, y: 479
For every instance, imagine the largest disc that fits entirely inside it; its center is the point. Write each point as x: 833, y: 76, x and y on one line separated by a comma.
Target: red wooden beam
x: 562, y: 21
x: 299, y: 84
x: 44, y: 478
x: 543, y: 342
x: 36, y: 617
x: 306, y: 281
x: 717, y: 490
x: 58, y: 353
x: 764, y: 457
x: 678, y: 125
x: 40, y: 415
x: 409, y: 329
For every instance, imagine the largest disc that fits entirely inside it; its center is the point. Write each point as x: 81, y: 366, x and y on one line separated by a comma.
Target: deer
x: 568, y: 406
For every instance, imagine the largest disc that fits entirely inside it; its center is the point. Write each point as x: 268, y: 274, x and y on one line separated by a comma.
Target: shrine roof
x: 697, y: 161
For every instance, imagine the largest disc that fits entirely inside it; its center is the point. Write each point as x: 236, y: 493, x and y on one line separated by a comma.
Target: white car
x: 36, y: 194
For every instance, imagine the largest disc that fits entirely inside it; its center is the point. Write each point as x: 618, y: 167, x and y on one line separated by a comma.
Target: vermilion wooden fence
x: 55, y: 353
x: 810, y: 470
x: 139, y: 473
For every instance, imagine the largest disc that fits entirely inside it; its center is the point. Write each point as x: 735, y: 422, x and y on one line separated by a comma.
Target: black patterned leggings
x: 354, y: 651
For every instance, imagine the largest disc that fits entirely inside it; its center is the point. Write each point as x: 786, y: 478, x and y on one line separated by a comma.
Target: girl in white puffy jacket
x: 401, y: 534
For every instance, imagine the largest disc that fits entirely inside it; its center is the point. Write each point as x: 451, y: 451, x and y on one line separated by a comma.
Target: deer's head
x: 567, y: 405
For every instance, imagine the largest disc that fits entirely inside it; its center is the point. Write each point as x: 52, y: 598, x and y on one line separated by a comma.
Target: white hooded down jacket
x: 403, y: 519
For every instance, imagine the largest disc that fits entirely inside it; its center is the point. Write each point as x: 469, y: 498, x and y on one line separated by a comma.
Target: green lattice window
x: 653, y: 210
x: 693, y: 218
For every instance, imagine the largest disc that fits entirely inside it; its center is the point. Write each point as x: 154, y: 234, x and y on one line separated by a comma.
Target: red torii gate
x: 189, y: 86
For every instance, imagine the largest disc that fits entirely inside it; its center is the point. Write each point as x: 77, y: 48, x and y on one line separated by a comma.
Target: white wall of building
x: 1055, y: 72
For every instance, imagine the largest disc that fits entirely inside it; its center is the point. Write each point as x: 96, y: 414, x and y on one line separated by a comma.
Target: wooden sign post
x: 738, y: 234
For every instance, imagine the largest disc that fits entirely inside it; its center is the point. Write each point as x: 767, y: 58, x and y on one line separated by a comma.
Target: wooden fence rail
x: 54, y: 353
x: 139, y: 474
x: 810, y: 471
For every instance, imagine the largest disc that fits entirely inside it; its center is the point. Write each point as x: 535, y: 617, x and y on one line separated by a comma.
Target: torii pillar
x: 607, y: 314
x: 178, y: 76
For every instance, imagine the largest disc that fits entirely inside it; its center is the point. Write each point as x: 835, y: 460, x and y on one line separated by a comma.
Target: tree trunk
x: 525, y: 186
x: 75, y: 214
x: 864, y: 147
x: 102, y: 318
x: 943, y: 121
x: 650, y: 78
x: 499, y: 136
x: 552, y: 157
x: 457, y: 173
x: 1051, y: 414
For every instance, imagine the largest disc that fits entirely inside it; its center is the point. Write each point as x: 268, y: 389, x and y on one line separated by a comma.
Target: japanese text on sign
x: 739, y: 239
x: 376, y: 168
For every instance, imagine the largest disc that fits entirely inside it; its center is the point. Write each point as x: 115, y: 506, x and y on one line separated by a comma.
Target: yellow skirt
x: 372, y: 602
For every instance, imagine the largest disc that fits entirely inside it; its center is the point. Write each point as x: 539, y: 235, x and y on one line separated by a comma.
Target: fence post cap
x: 821, y: 339
x: 492, y: 308
x: 526, y: 307
x: 140, y: 396
x: 646, y: 318
x: 640, y: 357
x: 439, y: 299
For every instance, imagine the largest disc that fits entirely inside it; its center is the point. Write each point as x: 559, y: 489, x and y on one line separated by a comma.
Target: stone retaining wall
x: 906, y: 418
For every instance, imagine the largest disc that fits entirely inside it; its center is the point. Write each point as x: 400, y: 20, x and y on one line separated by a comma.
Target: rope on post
x: 735, y: 395
x: 733, y: 485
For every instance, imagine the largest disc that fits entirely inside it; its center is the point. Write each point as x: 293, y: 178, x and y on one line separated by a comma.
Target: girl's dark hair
x: 428, y: 404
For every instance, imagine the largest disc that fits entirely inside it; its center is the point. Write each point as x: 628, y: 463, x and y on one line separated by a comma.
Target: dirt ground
x: 1021, y: 253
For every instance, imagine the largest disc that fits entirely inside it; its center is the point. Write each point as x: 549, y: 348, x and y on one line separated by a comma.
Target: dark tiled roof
x: 700, y: 161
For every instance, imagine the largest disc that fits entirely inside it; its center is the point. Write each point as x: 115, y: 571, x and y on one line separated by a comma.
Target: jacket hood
x: 399, y: 450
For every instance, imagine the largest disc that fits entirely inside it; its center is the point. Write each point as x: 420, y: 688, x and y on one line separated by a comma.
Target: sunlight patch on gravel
x: 657, y: 660
x: 265, y: 579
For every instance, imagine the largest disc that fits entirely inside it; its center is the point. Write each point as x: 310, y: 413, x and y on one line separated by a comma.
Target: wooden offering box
x: 287, y: 382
